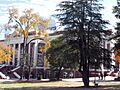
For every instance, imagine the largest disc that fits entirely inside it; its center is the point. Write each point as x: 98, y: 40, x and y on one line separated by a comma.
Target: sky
x: 107, y: 12
x: 46, y: 8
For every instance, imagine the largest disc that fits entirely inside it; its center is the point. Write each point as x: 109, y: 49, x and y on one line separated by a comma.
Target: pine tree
x: 84, y: 24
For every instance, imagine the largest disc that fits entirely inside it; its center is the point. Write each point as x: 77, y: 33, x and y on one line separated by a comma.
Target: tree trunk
x: 85, y: 72
x: 84, y: 63
x: 85, y: 75
x: 83, y: 49
x: 23, y: 57
x: 52, y: 75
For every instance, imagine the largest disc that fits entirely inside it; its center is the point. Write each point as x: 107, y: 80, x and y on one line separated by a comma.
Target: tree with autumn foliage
x: 5, y: 53
x: 23, y: 24
x: 117, y: 55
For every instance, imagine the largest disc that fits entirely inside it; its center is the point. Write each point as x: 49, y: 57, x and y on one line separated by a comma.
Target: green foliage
x: 61, y: 53
x: 80, y: 17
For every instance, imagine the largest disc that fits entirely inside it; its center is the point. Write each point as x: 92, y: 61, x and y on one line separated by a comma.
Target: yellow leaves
x: 28, y: 13
x: 2, y: 54
x: 13, y: 12
x: 44, y: 48
x: 48, y: 45
x: 7, y: 57
x: 29, y: 21
x: 46, y: 63
x: 46, y: 23
x: 46, y: 34
x: 18, y: 31
x: 26, y: 33
x: 46, y: 40
x: 36, y: 17
x: 33, y: 24
x: 22, y: 20
x: 5, y: 53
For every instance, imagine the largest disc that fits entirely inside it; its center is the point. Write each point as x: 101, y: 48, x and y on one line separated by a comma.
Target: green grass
x: 59, y: 85
x: 19, y: 85
x: 42, y: 84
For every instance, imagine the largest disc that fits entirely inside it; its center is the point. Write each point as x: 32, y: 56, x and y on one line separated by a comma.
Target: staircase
x: 7, y: 72
x: 3, y: 76
x: 15, y: 73
x: 3, y: 71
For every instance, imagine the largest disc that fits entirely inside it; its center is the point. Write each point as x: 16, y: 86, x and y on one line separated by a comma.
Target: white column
x: 8, y: 62
x: 13, y: 58
x: 35, y: 54
x: 29, y: 47
x: 19, y: 49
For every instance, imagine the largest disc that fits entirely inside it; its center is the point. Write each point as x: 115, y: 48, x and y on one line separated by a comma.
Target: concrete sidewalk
x: 107, y: 78
x: 92, y: 79
x: 7, y: 80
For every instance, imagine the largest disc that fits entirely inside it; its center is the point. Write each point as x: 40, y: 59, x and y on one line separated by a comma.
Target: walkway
x: 107, y: 79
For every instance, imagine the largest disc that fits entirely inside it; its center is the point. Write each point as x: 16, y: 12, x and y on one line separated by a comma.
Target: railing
x: 3, y: 75
x: 17, y: 75
x: 2, y: 66
x: 15, y: 69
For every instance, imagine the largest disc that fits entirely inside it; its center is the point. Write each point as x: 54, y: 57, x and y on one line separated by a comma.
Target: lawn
x: 58, y: 85
x: 41, y: 84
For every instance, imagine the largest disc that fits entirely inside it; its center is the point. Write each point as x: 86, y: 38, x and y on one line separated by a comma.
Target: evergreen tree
x: 84, y: 25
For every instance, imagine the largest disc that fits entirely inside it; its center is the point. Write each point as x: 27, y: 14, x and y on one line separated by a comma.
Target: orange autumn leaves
x: 5, y: 53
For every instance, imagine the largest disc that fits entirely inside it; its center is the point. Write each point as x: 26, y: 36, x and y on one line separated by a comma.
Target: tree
x: 116, y: 37
x: 84, y: 23
x: 62, y: 55
x: 5, y: 53
x: 117, y: 55
x: 23, y: 24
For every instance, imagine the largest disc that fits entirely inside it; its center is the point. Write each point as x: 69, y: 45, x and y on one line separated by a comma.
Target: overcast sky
x: 47, y: 7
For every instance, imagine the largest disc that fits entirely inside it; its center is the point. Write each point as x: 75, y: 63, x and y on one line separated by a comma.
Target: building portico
x: 17, y: 45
